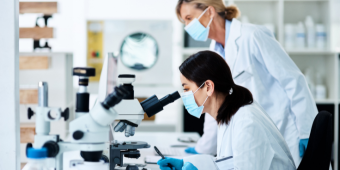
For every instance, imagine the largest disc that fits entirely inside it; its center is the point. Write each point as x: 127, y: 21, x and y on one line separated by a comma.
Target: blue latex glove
x: 176, y: 163
x: 191, y: 150
x: 303, y: 146
x: 189, y: 166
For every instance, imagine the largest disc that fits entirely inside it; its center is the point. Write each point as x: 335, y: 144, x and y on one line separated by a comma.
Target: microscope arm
x: 131, y: 112
x: 94, y: 127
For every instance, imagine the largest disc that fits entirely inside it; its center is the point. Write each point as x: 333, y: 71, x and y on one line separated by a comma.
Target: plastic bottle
x: 320, y: 88
x: 289, y: 36
x: 310, y: 80
x: 36, y: 159
x: 310, y: 29
x: 300, y: 36
x: 321, y: 36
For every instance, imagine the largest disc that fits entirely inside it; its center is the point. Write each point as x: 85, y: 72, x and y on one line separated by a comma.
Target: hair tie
x: 231, y: 91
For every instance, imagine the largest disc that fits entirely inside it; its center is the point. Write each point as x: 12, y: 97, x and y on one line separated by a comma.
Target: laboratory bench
x: 159, y: 139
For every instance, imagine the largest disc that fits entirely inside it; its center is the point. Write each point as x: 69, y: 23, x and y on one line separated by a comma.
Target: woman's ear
x: 211, y: 11
x: 210, y: 87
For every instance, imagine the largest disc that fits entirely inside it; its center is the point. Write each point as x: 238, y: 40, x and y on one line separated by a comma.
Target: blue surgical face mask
x: 190, y: 103
x: 196, y: 30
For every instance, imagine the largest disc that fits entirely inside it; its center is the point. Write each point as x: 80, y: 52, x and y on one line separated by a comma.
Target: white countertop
x: 159, y: 139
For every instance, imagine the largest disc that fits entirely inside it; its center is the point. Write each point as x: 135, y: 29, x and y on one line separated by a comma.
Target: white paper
x: 226, y: 163
x: 155, y: 159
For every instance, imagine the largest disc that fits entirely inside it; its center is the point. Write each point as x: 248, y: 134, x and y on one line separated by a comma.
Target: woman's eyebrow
x: 184, y: 84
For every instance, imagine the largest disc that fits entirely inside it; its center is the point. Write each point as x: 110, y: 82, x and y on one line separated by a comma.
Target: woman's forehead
x: 186, y: 82
x: 188, y: 9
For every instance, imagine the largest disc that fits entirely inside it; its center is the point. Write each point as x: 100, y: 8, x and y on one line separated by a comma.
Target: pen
x: 160, y: 154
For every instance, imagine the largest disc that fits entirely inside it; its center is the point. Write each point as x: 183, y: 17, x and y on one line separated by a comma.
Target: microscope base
x: 118, y: 150
x: 81, y: 165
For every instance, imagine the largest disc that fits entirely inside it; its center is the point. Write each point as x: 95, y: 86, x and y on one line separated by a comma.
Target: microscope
x: 89, y: 130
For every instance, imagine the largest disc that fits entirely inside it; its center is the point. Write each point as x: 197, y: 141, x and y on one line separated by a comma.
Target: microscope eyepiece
x: 170, y: 98
x: 115, y: 97
x: 152, y: 105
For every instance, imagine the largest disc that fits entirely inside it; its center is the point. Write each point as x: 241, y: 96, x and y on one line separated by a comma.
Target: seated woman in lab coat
x: 247, y: 138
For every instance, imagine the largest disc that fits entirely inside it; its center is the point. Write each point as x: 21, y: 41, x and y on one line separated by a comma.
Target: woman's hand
x: 177, y: 164
x: 191, y: 150
x: 189, y: 166
x: 303, y: 146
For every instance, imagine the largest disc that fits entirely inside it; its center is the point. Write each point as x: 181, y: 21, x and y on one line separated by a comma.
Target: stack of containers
x: 308, y: 35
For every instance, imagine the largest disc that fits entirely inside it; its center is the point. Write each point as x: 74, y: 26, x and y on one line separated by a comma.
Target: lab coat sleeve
x: 202, y: 162
x: 207, y: 144
x: 251, y: 147
x: 273, y: 57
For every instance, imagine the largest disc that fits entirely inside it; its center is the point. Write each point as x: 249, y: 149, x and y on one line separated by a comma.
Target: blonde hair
x: 226, y: 12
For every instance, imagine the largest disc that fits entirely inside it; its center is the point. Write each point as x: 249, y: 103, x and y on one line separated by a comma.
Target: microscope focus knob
x: 30, y: 113
x: 116, y: 160
x: 78, y: 135
x: 66, y: 114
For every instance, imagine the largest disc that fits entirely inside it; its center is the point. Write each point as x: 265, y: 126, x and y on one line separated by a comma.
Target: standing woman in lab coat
x: 247, y: 137
x: 259, y: 63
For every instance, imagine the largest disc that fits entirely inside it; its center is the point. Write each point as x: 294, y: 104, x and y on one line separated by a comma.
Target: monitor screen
x: 112, y: 74
x: 108, y: 77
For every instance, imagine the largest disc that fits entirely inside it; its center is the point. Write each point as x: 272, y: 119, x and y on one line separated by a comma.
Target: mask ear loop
x: 209, y: 22
x: 203, y: 13
x: 199, y: 88
x: 205, y: 100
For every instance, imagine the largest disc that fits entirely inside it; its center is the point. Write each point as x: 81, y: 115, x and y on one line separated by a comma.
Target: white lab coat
x: 275, y: 81
x: 205, y: 145
x: 252, y: 139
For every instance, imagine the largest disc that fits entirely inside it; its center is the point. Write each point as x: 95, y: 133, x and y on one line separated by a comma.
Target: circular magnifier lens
x: 139, y: 51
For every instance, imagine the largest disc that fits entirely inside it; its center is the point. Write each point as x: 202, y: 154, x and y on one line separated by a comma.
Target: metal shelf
x: 310, y: 51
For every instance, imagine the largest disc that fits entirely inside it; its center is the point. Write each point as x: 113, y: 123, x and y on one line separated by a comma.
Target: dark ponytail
x: 208, y: 65
x: 240, y: 97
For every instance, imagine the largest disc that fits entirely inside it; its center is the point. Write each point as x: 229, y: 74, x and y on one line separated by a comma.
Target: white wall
x: 70, y: 24
x: 335, y: 24
x: 71, y: 32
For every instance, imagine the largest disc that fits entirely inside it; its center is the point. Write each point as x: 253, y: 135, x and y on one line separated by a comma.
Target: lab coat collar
x: 220, y: 136
x: 231, y: 48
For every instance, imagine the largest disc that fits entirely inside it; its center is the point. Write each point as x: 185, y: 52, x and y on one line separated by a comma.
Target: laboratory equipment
x: 89, y: 131
x: 321, y: 36
x: 150, y: 106
x: 135, y: 44
x: 310, y: 29
x: 36, y: 159
x: 300, y: 36
x: 144, y: 49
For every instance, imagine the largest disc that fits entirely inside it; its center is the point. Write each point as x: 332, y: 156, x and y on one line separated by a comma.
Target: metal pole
x: 9, y: 86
